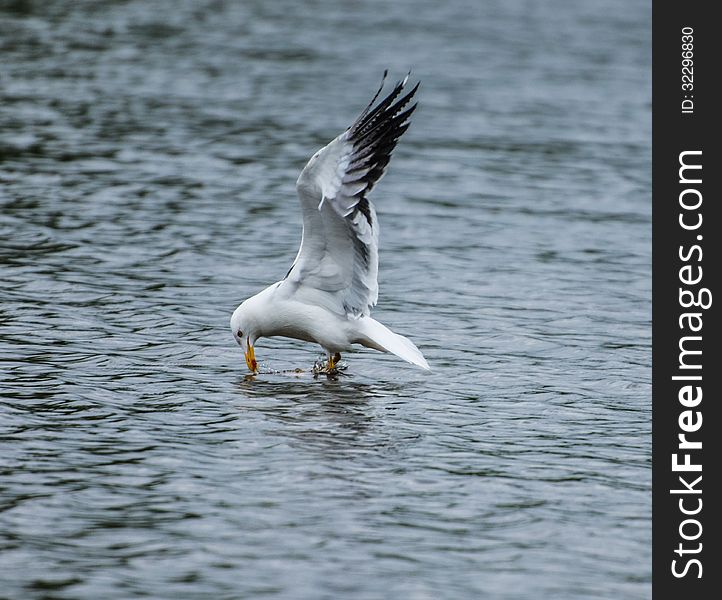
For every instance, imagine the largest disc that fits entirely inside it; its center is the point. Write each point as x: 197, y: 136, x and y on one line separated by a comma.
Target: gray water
x: 148, y: 154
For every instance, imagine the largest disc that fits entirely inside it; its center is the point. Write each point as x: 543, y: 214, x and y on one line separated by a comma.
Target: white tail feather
x: 380, y: 337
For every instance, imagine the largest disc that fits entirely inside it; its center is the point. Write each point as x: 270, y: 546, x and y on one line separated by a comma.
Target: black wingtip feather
x: 376, y: 95
x: 384, y: 127
x: 369, y: 115
x: 374, y: 136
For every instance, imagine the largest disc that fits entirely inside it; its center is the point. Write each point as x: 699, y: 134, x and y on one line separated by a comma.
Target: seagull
x: 328, y: 293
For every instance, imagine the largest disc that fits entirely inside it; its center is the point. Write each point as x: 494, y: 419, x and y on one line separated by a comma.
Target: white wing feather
x: 337, y: 263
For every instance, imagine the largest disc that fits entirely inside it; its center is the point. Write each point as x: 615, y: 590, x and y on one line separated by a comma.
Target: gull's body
x: 327, y: 295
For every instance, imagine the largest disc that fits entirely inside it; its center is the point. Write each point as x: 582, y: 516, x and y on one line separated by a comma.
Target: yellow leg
x: 333, y: 361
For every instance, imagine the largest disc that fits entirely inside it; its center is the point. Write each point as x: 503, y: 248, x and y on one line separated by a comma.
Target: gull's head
x: 245, y: 334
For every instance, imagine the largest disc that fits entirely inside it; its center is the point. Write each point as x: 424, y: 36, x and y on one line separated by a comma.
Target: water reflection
x: 337, y: 418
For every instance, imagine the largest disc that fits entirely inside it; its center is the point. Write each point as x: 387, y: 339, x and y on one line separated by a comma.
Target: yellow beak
x: 251, y: 359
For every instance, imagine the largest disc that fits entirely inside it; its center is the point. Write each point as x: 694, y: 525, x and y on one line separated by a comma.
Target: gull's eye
x: 239, y: 333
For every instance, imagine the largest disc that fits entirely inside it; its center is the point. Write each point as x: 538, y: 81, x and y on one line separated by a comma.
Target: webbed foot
x: 331, y: 367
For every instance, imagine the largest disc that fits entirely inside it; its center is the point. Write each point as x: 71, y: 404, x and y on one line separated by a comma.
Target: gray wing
x: 337, y: 263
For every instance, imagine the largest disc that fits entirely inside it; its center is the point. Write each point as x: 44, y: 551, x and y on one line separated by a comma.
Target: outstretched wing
x: 337, y: 264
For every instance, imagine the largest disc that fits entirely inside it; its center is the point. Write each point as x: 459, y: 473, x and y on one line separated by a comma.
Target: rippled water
x: 148, y: 154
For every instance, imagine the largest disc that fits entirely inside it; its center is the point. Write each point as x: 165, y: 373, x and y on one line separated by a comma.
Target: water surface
x: 148, y: 154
